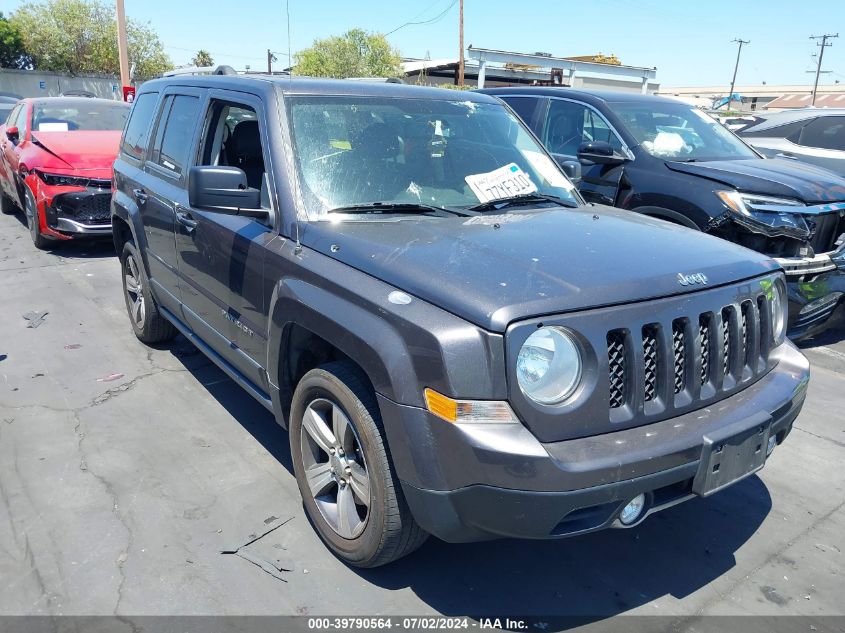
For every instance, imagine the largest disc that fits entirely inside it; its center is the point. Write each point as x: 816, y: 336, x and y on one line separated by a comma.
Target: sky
x: 689, y: 41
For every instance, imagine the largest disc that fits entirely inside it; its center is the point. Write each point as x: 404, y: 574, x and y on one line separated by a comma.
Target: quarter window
x: 175, y: 132
x: 136, y: 137
x: 826, y: 132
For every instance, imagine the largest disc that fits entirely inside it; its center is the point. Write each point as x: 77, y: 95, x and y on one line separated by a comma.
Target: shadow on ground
x: 674, y: 553
x: 80, y: 248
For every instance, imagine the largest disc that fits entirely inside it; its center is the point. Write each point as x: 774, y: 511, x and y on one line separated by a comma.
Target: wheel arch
x: 668, y: 215
x: 310, y: 326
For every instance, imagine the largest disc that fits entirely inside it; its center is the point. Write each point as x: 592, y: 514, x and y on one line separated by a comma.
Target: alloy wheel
x: 134, y: 288
x: 335, y: 469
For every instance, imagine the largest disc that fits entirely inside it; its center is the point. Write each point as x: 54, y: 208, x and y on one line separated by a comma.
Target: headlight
x: 56, y: 180
x: 548, y: 367
x: 778, y: 308
x: 767, y: 215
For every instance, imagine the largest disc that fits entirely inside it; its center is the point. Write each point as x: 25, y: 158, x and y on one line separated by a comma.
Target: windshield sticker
x: 53, y: 127
x: 505, y: 182
x: 547, y: 169
x: 667, y: 144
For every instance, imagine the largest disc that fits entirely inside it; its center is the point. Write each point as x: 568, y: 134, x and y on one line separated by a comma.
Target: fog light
x: 773, y: 440
x: 633, y: 511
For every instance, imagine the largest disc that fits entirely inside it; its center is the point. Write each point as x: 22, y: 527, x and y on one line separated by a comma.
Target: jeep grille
x: 713, y: 350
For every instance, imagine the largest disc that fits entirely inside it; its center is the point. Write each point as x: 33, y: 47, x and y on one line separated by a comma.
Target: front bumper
x: 68, y: 211
x: 816, y: 300
x: 467, y: 483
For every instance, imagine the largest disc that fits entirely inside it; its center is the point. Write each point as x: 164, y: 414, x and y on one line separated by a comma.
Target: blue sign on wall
x: 42, y: 85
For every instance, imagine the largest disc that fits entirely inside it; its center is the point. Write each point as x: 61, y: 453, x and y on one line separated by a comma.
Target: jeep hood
x: 82, y: 149
x: 771, y: 177
x: 492, y: 270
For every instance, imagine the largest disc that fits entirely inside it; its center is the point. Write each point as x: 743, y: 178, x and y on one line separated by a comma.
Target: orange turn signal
x: 441, y: 406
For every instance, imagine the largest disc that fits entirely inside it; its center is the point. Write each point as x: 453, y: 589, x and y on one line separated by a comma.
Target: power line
x: 436, y: 18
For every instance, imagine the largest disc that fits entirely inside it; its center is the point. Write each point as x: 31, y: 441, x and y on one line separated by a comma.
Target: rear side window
x: 826, y: 132
x: 175, y: 132
x: 525, y: 107
x: 137, y: 130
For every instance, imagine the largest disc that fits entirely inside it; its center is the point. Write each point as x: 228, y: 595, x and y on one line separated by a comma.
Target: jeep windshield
x: 361, y: 152
x: 677, y: 131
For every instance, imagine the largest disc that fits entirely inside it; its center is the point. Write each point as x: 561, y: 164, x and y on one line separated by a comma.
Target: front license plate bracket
x: 732, y: 453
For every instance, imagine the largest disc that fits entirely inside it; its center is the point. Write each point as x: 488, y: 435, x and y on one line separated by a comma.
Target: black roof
x: 589, y: 96
x: 318, y: 86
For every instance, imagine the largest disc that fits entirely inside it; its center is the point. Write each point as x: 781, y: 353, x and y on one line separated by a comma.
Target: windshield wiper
x: 396, y: 208
x: 529, y: 198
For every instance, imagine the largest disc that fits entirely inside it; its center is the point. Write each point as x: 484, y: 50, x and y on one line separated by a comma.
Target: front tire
x: 343, y: 470
x: 33, y: 222
x: 147, y: 322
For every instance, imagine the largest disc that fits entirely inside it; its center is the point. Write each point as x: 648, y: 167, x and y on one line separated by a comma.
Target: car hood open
x: 495, y: 269
x: 772, y: 177
x: 81, y: 149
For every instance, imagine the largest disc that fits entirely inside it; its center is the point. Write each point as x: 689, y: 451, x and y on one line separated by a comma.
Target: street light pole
x: 122, y: 55
x: 461, y: 44
x: 823, y: 44
x: 736, y: 67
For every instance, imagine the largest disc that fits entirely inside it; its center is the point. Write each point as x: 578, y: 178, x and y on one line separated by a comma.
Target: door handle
x: 183, y: 217
x: 140, y: 195
x: 785, y: 155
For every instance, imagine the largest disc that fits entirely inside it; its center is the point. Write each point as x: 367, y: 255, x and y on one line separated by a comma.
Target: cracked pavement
x: 118, y: 494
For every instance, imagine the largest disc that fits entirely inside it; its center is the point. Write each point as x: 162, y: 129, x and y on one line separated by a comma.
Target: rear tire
x: 147, y: 322
x: 345, y: 457
x: 33, y: 222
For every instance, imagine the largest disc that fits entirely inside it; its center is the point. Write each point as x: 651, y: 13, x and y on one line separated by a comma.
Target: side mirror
x: 13, y: 134
x: 599, y: 153
x: 223, y: 190
x: 572, y: 168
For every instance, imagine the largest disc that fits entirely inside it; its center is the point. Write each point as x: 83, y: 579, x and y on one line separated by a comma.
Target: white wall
x: 33, y: 83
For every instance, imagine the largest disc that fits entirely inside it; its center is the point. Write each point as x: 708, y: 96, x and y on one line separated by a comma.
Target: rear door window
x: 525, y: 107
x: 825, y: 132
x: 175, y: 132
x: 136, y: 136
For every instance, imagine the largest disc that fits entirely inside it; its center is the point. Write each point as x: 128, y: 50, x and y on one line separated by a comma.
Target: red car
x: 56, y: 165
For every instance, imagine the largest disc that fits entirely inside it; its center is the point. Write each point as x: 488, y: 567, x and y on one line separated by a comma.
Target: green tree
x: 12, y: 51
x: 203, y: 58
x: 80, y: 36
x: 356, y: 53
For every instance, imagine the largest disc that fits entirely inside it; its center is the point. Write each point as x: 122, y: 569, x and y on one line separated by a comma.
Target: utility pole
x: 269, y: 62
x: 823, y: 44
x: 461, y: 44
x: 121, y: 44
x: 736, y: 67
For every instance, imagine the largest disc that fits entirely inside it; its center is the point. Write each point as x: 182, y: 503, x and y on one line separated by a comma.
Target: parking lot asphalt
x: 125, y: 470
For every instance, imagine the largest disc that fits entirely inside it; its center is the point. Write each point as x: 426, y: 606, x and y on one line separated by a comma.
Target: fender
x: 668, y: 214
x: 125, y: 208
x: 359, y: 334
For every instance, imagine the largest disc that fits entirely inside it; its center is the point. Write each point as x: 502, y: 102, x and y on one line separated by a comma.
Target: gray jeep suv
x: 457, y: 344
